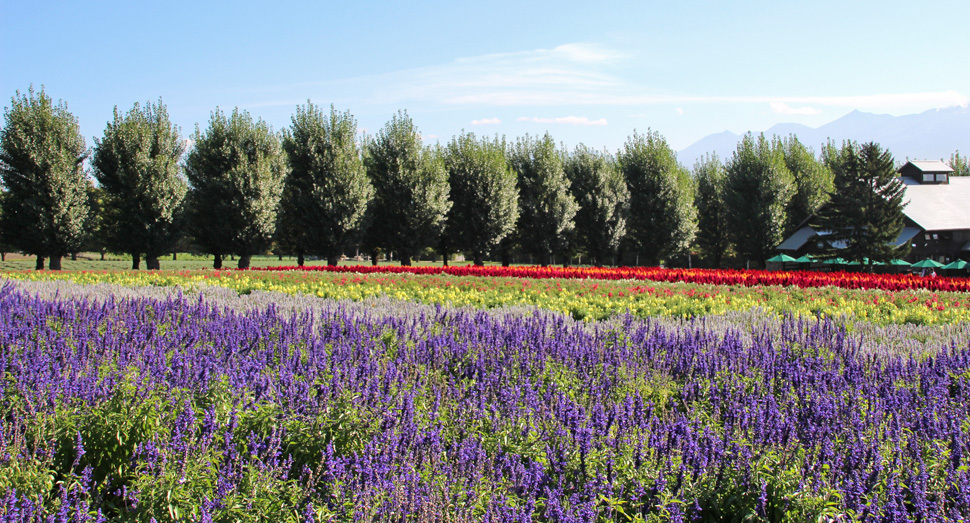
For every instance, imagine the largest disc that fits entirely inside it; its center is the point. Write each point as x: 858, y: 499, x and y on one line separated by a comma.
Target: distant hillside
x: 929, y: 135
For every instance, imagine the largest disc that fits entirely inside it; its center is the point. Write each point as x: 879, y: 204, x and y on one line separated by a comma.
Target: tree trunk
x: 175, y: 256
x: 506, y: 257
x: 3, y: 256
x: 135, y: 261
x: 373, y: 257
x: 152, y: 263
x: 39, y: 266
x: 300, y: 260
x: 103, y: 252
x: 217, y: 261
x: 281, y: 256
x: 405, y: 259
x: 479, y: 259
x: 444, y: 258
x: 544, y: 259
x: 54, y: 263
x: 73, y: 256
x: 243, y: 261
x: 332, y: 259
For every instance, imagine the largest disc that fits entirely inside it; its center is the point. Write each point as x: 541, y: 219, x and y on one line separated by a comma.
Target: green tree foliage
x: 713, y: 227
x: 236, y: 172
x: 5, y: 246
x: 757, y: 191
x: 410, y: 190
x: 484, y: 195
x: 41, y: 165
x: 813, y: 181
x: 662, y: 216
x: 138, y: 167
x: 546, y: 208
x: 94, y: 228
x: 864, y: 215
x: 604, y: 203
x: 959, y: 164
x: 327, y: 190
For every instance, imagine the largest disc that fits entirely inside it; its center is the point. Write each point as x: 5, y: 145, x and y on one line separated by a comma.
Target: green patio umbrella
x: 928, y: 263
x: 865, y: 261
x: 781, y: 258
x: 804, y: 259
x: 836, y: 261
x: 899, y: 263
x: 956, y: 265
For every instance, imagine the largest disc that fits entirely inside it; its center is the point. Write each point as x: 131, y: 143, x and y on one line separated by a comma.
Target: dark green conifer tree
x: 864, y: 215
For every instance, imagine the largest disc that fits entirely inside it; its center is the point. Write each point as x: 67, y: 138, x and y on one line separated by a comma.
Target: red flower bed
x: 847, y: 280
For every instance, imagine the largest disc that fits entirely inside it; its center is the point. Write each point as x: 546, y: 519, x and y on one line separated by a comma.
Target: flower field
x: 586, y: 299
x: 299, y: 396
x: 845, y: 280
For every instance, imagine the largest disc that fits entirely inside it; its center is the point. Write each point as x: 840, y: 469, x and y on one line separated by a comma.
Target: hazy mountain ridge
x: 929, y: 135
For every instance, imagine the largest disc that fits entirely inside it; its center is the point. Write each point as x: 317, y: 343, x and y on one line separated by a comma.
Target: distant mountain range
x: 929, y: 135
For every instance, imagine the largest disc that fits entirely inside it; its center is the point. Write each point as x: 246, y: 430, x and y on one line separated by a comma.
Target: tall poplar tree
x: 713, y: 228
x: 5, y: 247
x: 864, y: 215
x: 41, y: 165
x: 604, y: 203
x: 813, y: 181
x: 662, y: 216
x: 327, y: 191
x: 484, y: 195
x: 546, y: 208
x: 236, y: 172
x: 138, y: 167
x: 757, y: 191
x: 410, y: 190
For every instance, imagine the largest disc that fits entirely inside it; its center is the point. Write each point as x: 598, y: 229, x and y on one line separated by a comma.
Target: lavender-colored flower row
x: 210, y: 407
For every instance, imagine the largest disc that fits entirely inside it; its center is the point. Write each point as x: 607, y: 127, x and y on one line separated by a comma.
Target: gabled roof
x: 929, y: 166
x: 939, y: 207
x: 796, y: 240
x: 799, y: 238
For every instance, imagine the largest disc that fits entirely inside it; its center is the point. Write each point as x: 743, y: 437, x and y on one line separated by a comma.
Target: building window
x: 941, y: 178
x: 927, y: 177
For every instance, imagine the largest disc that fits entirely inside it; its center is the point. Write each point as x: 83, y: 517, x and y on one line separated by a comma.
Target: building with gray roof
x: 937, y: 215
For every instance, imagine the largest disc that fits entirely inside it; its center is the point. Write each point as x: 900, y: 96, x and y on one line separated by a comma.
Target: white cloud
x: 875, y: 102
x: 568, y: 120
x: 586, y: 52
x: 571, y: 75
x: 487, y: 121
x: 783, y: 108
x: 517, y: 78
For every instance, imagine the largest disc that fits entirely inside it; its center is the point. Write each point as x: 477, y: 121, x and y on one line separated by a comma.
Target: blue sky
x: 585, y: 72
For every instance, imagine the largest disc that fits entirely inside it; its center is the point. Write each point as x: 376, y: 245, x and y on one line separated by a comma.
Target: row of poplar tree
x: 318, y: 188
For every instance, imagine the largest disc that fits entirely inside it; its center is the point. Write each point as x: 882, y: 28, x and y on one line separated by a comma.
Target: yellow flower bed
x: 586, y: 299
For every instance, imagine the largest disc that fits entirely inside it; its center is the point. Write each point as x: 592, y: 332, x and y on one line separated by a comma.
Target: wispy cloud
x: 589, y: 53
x: 487, y: 121
x: 568, y: 120
x: 870, y: 102
x: 569, y: 75
x: 503, y: 78
x: 783, y: 108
